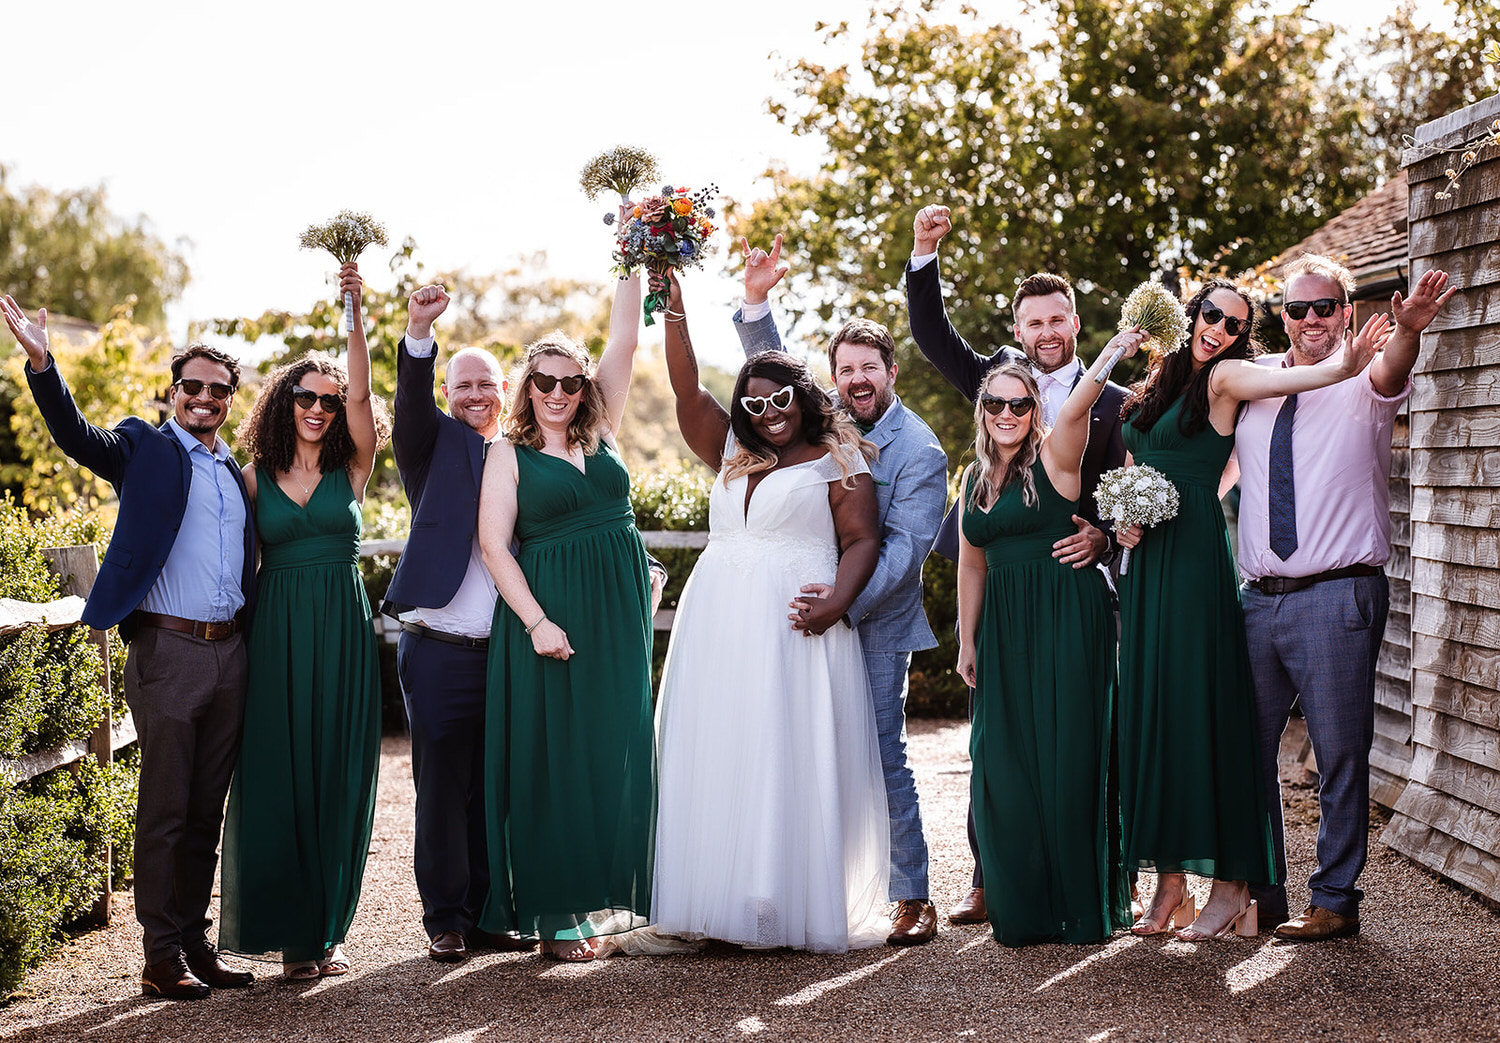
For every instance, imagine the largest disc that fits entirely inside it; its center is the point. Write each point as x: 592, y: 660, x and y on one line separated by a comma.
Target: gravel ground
x: 1423, y: 969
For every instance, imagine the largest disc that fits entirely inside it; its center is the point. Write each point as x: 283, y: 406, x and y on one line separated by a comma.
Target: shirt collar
x: 190, y: 442
x: 1064, y: 375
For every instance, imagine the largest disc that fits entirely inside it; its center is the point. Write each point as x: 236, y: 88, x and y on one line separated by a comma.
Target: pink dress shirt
x: 1341, y: 457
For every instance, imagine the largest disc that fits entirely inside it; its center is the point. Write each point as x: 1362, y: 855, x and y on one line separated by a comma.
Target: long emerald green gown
x: 303, y: 799
x: 1046, y: 820
x: 1190, y: 781
x: 571, y: 775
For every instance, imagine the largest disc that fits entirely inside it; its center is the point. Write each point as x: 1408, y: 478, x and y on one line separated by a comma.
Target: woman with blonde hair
x: 572, y: 780
x: 1036, y: 643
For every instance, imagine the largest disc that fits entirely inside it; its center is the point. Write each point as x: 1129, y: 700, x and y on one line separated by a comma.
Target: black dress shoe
x: 915, y: 923
x: 171, y: 979
x: 214, y: 972
x: 447, y: 947
x: 507, y: 941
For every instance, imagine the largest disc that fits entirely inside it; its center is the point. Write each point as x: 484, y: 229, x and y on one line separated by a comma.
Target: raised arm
x: 927, y: 315
x: 618, y: 360
x: 497, y: 524
x: 1237, y: 380
x: 1392, y: 367
x: 1062, y: 450
x: 704, y: 423
x: 416, y: 426
x: 357, y: 405
x: 753, y: 321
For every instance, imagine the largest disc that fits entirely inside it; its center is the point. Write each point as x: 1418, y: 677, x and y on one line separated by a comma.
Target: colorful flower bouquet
x: 346, y: 237
x: 1136, y: 495
x: 1157, y: 312
x: 663, y: 233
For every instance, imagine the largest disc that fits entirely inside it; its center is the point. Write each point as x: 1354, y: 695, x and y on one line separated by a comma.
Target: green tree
x: 1135, y: 137
x: 69, y: 253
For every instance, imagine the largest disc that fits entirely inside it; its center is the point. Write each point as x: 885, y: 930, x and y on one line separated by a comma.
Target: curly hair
x: 822, y: 422
x: 269, y: 435
x: 987, y: 483
x: 591, y: 417
x: 1172, y: 375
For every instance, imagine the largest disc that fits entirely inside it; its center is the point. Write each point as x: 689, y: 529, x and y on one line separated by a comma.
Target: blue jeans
x: 887, y: 672
x: 1318, y: 646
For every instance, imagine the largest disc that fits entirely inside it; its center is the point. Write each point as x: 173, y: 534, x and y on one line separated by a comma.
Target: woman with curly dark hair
x: 1190, y: 794
x: 303, y: 799
x: 772, y: 827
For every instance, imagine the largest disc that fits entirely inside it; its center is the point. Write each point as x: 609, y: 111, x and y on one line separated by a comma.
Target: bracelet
x: 540, y: 620
x: 675, y: 316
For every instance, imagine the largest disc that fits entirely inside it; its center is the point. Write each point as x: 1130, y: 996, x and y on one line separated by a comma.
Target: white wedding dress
x: 772, y: 828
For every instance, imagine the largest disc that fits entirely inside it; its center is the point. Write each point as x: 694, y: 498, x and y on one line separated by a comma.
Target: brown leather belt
x: 1287, y: 584
x: 439, y: 635
x: 209, y: 631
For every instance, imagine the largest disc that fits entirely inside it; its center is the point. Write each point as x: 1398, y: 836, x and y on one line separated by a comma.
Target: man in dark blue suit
x: 179, y: 580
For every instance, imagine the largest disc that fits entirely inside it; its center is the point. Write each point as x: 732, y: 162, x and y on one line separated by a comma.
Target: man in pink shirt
x: 1314, y: 536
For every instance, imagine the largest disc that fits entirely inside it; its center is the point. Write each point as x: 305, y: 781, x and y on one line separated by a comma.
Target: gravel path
x: 1424, y: 969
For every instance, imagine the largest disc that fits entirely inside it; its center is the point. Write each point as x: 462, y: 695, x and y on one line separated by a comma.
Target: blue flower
x: 685, y: 248
x: 609, y: 219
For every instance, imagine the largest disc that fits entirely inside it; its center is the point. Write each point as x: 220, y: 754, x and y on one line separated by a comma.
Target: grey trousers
x: 1318, y: 646
x: 187, y: 697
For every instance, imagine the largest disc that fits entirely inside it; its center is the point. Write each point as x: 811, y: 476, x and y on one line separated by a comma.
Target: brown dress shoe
x: 971, y: 909
x: 1316, y: 924
x: 171, y: 979
x: 214, y: 972
x: 915, y: 923
x: 447, y: 947
x: 504, y: 941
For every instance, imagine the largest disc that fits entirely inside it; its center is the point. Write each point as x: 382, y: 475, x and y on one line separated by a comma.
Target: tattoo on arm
x: 692, y: 356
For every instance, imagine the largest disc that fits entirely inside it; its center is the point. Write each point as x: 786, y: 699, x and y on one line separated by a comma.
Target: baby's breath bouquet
x: 346, y: 237
x: 664, y: 232
x: 617, y: 170
x: 1135, y: 495
x: 1158, y: 314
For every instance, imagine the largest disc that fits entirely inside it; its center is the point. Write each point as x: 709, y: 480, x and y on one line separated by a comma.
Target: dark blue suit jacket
x: 151, y: 473
x: 947, y: 350
x: 441, y: 461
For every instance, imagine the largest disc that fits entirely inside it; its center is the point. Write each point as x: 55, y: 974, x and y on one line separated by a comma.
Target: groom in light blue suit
x: 911, y: 484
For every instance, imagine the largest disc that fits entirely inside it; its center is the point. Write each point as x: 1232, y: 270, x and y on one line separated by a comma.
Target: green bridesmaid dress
x: 303, y: 799
x: 571, y: 776
x: 1044, y: 811
x: 1190, y: 781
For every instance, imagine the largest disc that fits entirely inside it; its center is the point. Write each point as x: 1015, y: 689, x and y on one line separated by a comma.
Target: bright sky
x: 462, y: 124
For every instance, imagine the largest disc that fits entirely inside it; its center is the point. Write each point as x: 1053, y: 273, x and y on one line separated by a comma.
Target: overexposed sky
x: 462, y: 124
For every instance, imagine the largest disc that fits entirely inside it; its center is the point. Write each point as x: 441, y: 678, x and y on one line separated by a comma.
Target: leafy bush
x: 674, y: 498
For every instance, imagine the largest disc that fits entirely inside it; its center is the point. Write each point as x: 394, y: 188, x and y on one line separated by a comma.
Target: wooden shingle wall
x: 1448, y: 817
x: 1391, y: 752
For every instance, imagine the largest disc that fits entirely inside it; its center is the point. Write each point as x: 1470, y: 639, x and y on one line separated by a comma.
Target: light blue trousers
x: 887, y: 672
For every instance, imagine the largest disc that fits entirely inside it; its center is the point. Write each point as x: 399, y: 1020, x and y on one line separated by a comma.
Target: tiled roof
x: 1369, y: 238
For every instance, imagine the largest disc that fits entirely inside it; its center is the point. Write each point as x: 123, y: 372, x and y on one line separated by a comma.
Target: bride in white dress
x: 772, y: 828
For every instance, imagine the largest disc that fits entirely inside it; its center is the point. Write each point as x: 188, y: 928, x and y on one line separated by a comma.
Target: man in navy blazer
x: 179, y: 580
x: 445, y: 599
x: 911, y: 487
x: 1047, y: 326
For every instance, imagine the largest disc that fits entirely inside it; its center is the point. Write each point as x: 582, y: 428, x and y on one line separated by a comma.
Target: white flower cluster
x: 1137, y: 495
x: 346, y: 236
x: 1158, y: 312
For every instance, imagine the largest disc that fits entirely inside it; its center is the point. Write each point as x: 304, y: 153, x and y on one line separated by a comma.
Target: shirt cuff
x: 420, y: 347
x: 754, y: 312
x: 922, y: 260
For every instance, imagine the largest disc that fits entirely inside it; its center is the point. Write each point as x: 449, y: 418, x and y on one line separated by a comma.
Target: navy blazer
x: 964, y: 367
x: 441, y: 462
x: 151, y: 473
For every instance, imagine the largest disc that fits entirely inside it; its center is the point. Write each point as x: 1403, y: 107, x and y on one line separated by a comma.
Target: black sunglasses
x: 545, y: 382
x: 1213, y: 315
x: 1019, y: 407
x: 306, y: 398
x: 1322, y: 307
x: 193, y: 388
x: 756, y: 405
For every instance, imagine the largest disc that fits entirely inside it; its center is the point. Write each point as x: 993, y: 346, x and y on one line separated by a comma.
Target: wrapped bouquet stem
x: 1136, y: 495
x: 346, y: 237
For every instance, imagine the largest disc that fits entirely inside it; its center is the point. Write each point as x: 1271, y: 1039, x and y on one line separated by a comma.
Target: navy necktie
x: 1282, y: 501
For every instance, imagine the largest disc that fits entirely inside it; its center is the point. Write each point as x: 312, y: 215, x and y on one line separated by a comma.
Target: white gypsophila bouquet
x: 1136, y: 495
x: 1156, y: 312
x: 345, y: 236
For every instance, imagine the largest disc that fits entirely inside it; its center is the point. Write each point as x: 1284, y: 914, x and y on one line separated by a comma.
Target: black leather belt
x: 451, y: 639
x: 209, y: 631
x: 1287, y: 584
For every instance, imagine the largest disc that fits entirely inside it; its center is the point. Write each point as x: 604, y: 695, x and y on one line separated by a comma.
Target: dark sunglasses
x: 1019, y: 407
x: 545, y: 382
x: 756, y: 405
x: 193, y: 388
x: 306, y: 398
x: 1322, y: 307
x: 1213, y: 315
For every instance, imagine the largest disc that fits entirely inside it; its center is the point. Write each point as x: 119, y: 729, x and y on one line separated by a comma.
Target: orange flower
x: 682, y: 206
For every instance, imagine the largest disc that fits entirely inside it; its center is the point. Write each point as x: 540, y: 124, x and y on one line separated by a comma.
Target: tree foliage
x: 69, y: 253
x: 1133, y: 138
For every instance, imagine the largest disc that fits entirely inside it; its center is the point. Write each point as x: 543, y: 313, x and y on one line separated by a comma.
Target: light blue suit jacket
x: 911, y: 487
